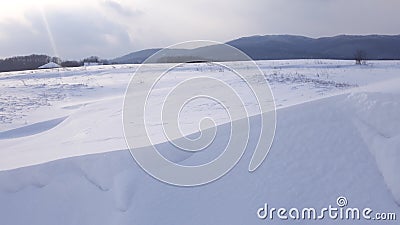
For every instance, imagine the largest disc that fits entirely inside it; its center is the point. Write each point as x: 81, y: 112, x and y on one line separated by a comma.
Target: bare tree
x: 360, y: 56
x: 92, y: 59
x: 55, y: 60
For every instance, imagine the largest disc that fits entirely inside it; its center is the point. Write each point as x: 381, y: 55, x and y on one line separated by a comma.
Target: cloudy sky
x: 110, y: 28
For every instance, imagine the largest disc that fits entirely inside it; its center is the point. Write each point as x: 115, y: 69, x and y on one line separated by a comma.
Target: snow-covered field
x: 64, y: 159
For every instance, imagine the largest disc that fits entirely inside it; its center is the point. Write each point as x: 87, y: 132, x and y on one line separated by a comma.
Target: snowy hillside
x: 64, y: 160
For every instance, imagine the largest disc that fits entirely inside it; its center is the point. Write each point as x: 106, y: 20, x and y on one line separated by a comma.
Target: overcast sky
x: 110, y: 28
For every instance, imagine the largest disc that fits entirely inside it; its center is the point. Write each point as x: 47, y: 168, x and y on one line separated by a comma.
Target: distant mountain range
x: 275, y: 47
x: 268, y: 47
x: 135, y: 57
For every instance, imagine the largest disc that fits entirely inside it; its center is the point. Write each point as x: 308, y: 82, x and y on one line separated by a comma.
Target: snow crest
x: 377, y: 118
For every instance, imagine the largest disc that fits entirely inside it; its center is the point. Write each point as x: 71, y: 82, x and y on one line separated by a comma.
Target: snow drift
x: 326, y: 147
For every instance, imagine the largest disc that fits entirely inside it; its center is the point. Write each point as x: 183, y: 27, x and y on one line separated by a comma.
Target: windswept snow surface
x: 63, y: 156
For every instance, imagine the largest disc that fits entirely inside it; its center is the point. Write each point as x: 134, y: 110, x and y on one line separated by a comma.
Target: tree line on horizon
x: 34, y: 61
